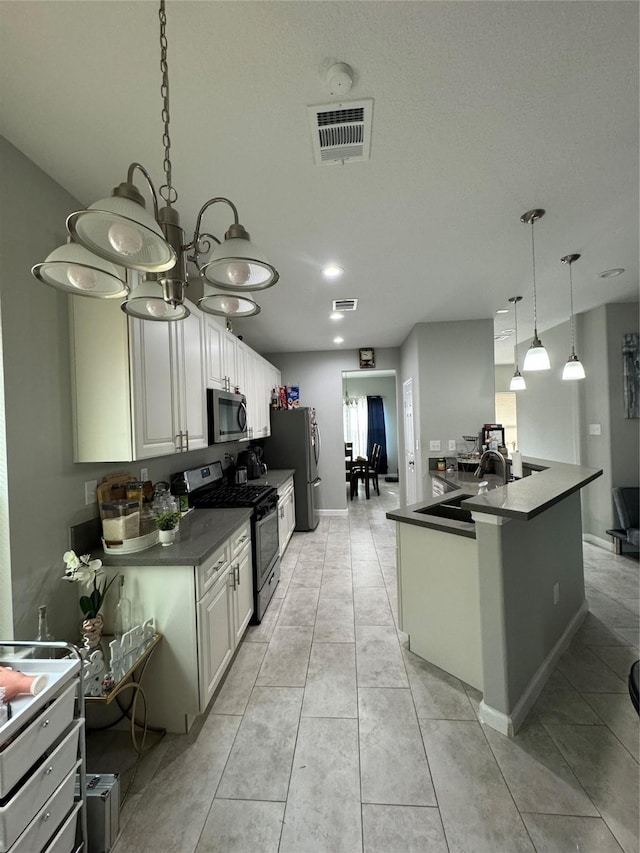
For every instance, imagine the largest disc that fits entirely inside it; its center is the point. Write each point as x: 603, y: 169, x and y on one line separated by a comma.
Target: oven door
x: 267, y: 546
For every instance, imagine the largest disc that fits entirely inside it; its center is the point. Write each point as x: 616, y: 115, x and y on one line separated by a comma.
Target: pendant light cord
x: 533, y: 263
x: 167, y: 191
x: 515, y: 345
x: 573, y: 341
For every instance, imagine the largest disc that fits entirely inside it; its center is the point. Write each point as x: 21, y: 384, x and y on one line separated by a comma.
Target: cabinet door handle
x: 187, y: 436
x: 45, y: 724
x: 46, y: 816
x: 48, y: 771
x: 233, y: 575
x: 178, y: 441
x: 236, y: 571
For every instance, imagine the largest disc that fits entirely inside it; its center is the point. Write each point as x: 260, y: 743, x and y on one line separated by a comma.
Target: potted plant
x: 89, y: 572
x: 167, y: 522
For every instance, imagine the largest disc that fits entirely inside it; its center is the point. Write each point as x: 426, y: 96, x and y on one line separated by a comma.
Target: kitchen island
x: 491, y: 587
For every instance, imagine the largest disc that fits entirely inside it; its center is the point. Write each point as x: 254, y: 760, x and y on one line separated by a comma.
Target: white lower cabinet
x: 286, y: 513
x: 41, y: 753
x: 216, y: 637
x: 202, y: 613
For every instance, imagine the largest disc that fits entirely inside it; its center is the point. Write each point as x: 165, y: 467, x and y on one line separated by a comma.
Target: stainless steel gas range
x: 208, y: 489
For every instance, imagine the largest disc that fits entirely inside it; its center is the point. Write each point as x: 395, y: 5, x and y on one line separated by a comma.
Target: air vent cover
x: 345, y: 304
x: 341, y: 133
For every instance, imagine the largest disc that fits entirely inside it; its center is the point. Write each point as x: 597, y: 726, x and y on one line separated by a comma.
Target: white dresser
x: 42, y: 752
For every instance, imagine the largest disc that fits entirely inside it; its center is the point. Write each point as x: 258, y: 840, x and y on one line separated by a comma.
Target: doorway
x: 360, y: 425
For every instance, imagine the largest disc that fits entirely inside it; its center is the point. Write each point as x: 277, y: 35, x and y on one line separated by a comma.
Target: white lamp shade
x: 517, y: 382
x: 236, y: 264
x: 121, y: 231
x: 536, y: 358
x: 77, y: 270
x: 573, y: 369
x: 146, y: 303
x: 227, y: 304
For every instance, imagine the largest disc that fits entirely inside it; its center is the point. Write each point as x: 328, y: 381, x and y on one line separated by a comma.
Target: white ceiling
x: 482, y: 111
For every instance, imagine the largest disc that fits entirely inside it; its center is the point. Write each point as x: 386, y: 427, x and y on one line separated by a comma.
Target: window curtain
x: 376, y: 432
x: 355, y: 425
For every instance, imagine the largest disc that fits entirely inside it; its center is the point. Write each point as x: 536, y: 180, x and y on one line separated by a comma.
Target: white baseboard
x: 340, y: 512
x: 509, y: 724
x: 607, y: 544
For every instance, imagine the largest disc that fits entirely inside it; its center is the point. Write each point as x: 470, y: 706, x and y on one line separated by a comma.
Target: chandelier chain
x: 167, y: 191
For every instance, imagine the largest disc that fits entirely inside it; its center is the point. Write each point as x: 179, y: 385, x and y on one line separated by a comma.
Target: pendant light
x: 517, y: 380
x: 118, y: 232
x: 573, y: 369
x: 537, y: 357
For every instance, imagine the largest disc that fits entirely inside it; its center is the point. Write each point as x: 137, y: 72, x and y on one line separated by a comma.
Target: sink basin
x: 456, y: 501
x: 450, y: 509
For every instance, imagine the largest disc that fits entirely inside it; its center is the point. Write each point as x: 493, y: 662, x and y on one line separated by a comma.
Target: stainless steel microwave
x: 226, y: 416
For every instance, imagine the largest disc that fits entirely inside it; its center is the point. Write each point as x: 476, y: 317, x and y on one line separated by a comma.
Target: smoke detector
x: 339, y: 79
x: 341, y: 133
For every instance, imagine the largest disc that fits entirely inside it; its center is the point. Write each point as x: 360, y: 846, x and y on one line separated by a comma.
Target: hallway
x: 329, y: 735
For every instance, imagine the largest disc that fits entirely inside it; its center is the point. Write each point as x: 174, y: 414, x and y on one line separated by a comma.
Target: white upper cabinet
x: 214, y: 336
x: 138, y: 388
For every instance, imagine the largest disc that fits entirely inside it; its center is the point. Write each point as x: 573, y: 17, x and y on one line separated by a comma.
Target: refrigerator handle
x: 317, y: 449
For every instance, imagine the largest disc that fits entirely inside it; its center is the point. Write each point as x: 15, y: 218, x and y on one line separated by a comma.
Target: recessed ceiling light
x: 337, y: 315
x: 338, y: 340
x: 610, y: 273
x: 332, y: 271
x: 502, y: 311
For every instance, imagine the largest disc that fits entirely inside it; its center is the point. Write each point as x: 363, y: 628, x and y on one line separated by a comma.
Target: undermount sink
x: 450, y: 509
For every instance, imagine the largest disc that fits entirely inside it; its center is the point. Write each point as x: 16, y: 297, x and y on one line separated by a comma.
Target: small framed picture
x: 367, y: 357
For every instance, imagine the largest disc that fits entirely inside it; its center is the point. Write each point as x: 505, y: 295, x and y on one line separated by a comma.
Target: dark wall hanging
x: 631, y: 374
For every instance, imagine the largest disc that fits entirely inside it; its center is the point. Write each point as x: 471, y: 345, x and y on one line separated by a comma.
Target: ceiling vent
x: 345, y: 304
x: 341, y: 133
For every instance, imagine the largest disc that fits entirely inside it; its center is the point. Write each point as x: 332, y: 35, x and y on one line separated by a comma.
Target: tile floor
x: 329, y: 735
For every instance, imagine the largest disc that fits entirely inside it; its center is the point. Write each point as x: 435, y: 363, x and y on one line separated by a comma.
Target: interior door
x: 409, y: 442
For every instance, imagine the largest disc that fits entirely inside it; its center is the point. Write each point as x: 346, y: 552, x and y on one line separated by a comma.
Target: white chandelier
x: 117, y: 234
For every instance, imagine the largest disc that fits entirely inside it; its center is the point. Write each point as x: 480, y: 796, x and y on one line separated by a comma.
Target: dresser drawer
x: 23, y: 752
x: 64, y: 841
x: 16, y: 813
x: 47, y: 821
x: 240, y: 539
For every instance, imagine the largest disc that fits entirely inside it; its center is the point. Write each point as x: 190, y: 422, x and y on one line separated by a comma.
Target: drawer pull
x: 46, y: 816
x: 48, y: 771
x: 45, y: 724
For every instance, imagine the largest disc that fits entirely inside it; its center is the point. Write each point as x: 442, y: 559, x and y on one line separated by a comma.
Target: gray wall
x: 41, y: 488
x: 384, y: 386
x: 319, y: 376
x: 616, y: 449
x: 453, y: 374
x: 548, y: 411
x: 554, y: 416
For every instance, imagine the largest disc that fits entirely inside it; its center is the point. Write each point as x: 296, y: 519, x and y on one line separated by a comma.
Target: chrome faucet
x: 492, y: 454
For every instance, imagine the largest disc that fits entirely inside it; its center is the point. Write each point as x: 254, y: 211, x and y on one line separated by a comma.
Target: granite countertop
x: 275, y: 477
x: 201, y: 532
x: 548, y: 484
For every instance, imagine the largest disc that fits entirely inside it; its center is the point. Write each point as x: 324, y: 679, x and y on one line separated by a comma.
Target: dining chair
x: 367, y: 471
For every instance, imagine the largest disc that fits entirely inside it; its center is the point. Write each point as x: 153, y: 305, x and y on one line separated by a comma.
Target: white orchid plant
x: 88, y: 572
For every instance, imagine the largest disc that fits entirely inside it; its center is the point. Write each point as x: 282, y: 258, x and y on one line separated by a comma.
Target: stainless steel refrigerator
x: 295, y: 443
